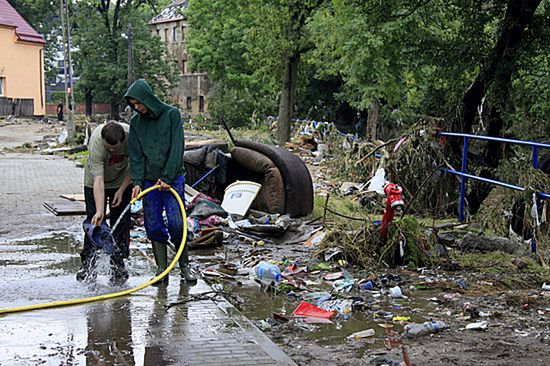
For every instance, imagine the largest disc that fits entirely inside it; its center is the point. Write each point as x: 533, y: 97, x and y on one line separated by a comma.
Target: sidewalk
x: 134, y: 330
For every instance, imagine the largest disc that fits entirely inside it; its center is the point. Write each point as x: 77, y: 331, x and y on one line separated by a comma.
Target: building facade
x: 21, y: 63
x: 172, y: 28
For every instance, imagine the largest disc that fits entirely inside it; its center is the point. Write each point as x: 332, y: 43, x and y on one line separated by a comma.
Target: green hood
x: 141, y: 91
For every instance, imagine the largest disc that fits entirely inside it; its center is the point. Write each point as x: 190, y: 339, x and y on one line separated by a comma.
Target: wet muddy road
x: 133, y: 330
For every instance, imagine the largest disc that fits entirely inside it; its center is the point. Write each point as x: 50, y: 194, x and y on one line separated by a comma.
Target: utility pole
x: 71, y: 132
x: 70, y: 121
x: 130, y: 55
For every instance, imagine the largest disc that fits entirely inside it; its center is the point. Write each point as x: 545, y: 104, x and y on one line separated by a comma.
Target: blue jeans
x: 154, y: 203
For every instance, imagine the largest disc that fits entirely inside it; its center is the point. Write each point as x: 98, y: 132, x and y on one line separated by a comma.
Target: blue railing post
x: 535, y: 157
x: 463, y: 179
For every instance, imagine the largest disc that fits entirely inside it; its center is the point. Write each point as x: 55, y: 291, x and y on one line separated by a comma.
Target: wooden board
x: 66, y: 208
x: 73, y: 197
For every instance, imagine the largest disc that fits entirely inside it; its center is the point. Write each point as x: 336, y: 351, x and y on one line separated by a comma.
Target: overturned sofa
x: 286, y: 183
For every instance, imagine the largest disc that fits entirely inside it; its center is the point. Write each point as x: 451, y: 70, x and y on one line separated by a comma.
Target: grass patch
x: 498, y: 263
x: 80, y: 156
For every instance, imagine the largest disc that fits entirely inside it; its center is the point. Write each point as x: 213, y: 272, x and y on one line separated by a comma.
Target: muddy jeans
x: 122, y: 233
x: 154, y: 203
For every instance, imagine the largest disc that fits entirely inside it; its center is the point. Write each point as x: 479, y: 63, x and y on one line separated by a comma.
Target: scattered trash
x: 308, y: 310
x: 342, y: 285
x: 63, y: 136
x: 401, y: 318
x: 317, y: 297
x: 267, y: 272
x: 331, y: 253
x: 239, y: 196
x: 417, y: 330
x: 366, y: 286
x: 389, y: 278
x: 333, y: 276
x: 482, y: 325
x: 395, y: 292
x: 293, y: 269
x: 363, y: 334
x: 462, y: 284
x: 311, y: 320
x: 342, y: 307
x: 315, y: 239
x: 471, y: 310
x: 376, y: 183
x: 545, y: 287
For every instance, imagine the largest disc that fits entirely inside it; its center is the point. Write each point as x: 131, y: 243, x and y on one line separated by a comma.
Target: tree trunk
x: 88, y: 100
x: 519, y: 14
x: 372, y: 120
x: 113, y: 113
x: 288, y: 95
x: 494, y: 79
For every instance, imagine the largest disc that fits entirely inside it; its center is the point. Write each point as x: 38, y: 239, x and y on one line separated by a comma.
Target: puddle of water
x: 259, y: 305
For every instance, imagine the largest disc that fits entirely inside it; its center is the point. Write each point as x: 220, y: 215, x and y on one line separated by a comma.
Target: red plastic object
x: 305, y: 309
x: 394, y: 202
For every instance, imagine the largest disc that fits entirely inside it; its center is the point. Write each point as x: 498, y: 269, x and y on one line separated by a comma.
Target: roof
x: 171, y: 13
x: 11, y: 18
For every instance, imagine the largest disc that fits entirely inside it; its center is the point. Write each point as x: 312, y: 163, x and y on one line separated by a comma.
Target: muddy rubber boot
x: 87, y: 271
x: 119, y: 273
x: 186, y: 273
x: 161, y: 259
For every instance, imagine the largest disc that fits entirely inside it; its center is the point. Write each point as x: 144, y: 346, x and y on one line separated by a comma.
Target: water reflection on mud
x: 127, y: 331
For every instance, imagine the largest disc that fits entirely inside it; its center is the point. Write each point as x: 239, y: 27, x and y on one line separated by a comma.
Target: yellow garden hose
x: 121, y: 293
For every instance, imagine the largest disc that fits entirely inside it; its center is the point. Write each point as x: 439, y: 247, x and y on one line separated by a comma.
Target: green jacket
x: 156, y: 140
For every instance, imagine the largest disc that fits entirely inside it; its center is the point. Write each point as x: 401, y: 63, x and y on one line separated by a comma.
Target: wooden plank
x: 73, y: 197
x: 66, y: 208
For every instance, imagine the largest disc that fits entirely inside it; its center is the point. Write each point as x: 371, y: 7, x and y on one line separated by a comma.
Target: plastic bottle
x: 417, y: 330
x: 267, y: 272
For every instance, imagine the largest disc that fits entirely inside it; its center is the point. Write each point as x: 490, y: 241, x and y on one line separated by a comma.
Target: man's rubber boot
x: 161, y: 259
x: 119, y: 273
x: 87, y: 271
x: 186, y: 273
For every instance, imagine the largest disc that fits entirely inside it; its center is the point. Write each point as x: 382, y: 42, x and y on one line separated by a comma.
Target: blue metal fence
x: 465, y: 176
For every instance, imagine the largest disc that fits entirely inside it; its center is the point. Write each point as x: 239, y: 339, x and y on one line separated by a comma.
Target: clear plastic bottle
x: 417, y: 330
x: 267, y: 272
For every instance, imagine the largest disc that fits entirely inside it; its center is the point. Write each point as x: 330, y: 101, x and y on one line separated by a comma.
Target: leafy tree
x: 218, y: 44
x: 252, y: 47
x: 278, y: 40
x: 101, y: 59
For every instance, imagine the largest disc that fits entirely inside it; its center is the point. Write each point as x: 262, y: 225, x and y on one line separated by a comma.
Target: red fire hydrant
x: 394, y: 203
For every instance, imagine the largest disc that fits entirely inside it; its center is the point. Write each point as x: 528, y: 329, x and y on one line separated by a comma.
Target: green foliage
x: 102, y: 41
x: 219, y: 44
x: 57, y: 97
x: 407, y: 235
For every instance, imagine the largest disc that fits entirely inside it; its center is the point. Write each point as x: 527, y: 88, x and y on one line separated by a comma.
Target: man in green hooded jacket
x: 156, y: 145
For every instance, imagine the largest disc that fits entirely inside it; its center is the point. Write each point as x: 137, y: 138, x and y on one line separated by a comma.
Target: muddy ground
x: 459, y: 292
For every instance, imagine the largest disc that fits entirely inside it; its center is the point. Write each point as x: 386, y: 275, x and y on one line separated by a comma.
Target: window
x: 60, y: 63
x: 201, y: 103
x: 166, y: 35
x: 2, y: 86
x: 183, y: 33
x: 158, y: 32
x: 174, y: 35
x: 189, y: 106
x: 184, y: 66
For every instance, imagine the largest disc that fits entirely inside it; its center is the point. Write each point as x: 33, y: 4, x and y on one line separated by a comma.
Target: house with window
x: 21, y: 65
x: 172, y: 28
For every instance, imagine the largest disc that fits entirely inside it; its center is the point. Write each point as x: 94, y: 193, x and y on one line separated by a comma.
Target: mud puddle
x: 375, y: 310
x: 131, y: 330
